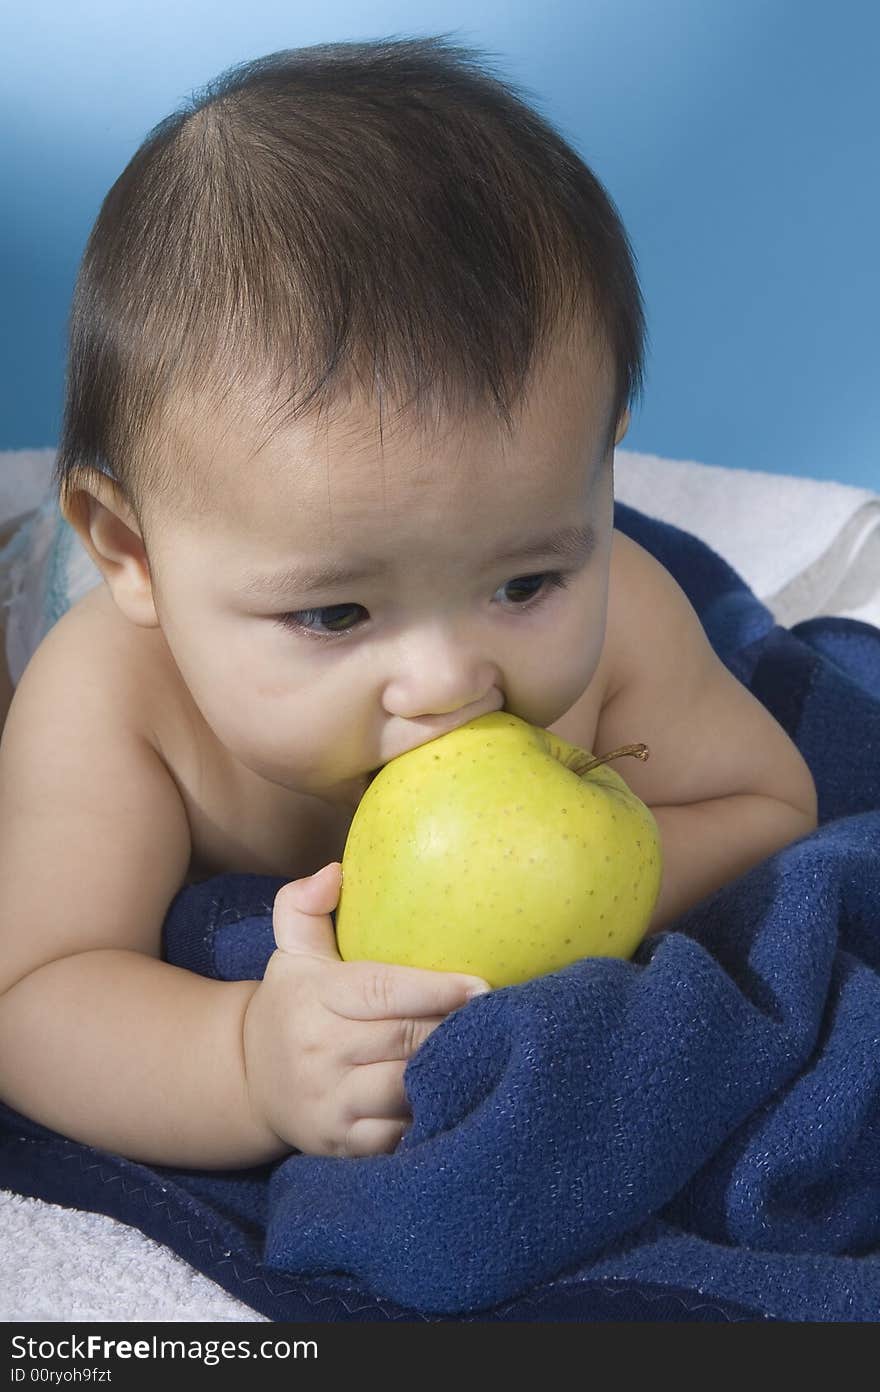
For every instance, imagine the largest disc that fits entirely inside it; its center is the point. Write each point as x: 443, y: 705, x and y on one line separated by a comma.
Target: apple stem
x: 638, y: 751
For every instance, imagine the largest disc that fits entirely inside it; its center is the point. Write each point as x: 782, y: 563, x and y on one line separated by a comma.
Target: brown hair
x: 390, y: 209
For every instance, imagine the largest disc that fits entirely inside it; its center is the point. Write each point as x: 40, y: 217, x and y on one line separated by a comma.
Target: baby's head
x: 357, y: 308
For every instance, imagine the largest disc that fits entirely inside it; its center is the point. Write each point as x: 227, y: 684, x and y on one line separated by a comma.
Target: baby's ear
x: 622, y: 426
x: 104, y: 521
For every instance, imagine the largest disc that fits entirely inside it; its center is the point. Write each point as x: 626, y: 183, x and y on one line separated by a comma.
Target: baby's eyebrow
x: 567, y: 544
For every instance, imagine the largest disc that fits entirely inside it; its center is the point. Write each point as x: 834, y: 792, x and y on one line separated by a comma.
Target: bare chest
x: 240, y: 823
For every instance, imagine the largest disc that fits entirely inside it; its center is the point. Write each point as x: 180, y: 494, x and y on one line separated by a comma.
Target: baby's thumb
x: 301, y: 914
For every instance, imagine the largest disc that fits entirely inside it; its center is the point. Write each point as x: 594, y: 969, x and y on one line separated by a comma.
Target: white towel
x: 804, y: 546
x: 24, y: 477
x: 62, y: 1264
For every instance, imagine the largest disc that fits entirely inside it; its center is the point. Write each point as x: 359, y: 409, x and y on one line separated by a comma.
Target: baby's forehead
x: 570, y: 393
x: 246, y: 461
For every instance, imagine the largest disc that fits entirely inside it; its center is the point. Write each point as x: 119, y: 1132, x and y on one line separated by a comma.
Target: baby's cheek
x: 564, y: 676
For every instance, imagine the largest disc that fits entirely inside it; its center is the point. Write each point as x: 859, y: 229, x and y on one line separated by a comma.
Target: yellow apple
x: 498, y: 850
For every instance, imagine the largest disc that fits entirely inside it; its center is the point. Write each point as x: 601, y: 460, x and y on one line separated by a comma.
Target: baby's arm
x: 99, y: 1038
x: 724, y: 781
x: 102, y: 1040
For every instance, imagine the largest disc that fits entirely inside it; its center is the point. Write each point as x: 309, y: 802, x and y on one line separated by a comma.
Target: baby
x: 353, y: 340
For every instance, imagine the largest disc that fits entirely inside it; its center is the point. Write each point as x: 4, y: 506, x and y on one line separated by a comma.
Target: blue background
x: 739, y: 138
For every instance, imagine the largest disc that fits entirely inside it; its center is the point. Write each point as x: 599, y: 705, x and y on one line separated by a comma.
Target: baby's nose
x: 446, y: 684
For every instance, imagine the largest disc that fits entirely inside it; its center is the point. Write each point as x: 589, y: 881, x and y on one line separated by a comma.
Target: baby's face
x: 476, y: 578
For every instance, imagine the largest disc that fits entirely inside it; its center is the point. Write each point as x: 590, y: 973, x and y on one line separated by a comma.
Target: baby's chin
x: 349, y: 792
x: 339, y: 792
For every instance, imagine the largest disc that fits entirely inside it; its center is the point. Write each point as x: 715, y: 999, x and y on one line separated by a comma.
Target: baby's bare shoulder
x: 637, y: 583
x: 94, y: 647
x: 638, y: 587
x: 94, y: 840
x: 663, y: 681
x: 667, y: 687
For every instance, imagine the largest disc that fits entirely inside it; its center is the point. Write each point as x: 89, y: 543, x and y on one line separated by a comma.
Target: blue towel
x: 690, y: 1135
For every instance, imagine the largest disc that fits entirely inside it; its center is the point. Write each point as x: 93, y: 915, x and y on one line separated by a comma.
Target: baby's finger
x: 372, y: 1136
x: 377, y: 1091
x: 378, y: 1041
x: 301, y: 913
x: 381, y: 991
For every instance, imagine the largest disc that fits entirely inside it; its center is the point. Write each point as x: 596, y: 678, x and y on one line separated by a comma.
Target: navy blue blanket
x: 691, y: 1135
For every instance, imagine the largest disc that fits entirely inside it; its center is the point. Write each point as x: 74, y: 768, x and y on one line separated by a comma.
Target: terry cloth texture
x: 693, y: 1134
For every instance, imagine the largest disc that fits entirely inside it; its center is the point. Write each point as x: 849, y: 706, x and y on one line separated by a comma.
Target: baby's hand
x: 326, y: 1042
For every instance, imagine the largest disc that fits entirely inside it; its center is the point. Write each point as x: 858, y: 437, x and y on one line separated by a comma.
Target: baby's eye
x: 338, y: 620
x: 529, y: 592
x: 525, y: 587
x: 321, y: 623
